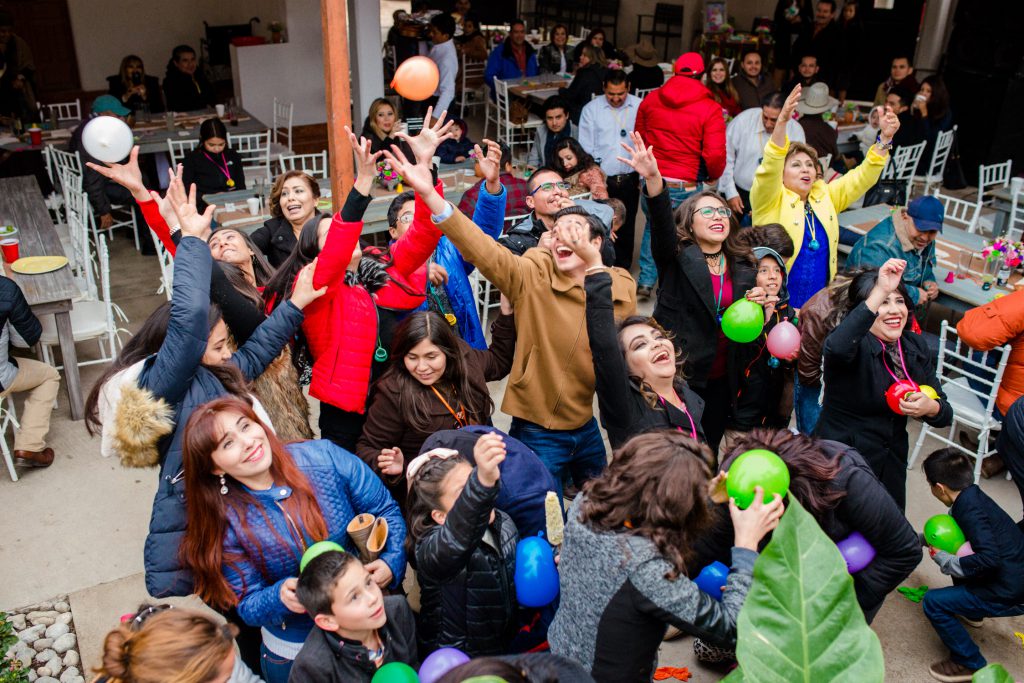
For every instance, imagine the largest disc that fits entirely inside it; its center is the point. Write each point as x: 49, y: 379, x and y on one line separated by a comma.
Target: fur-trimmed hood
x: 133, y: 419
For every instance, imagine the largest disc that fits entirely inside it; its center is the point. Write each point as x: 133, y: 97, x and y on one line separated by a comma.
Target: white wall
x: 107, y: 30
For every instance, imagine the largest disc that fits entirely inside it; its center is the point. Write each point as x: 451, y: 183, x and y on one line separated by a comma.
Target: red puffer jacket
x: 341, y: 326
x: 684, y: 123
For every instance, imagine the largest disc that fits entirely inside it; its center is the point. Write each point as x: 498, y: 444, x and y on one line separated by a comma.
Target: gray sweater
x: 616, y: 602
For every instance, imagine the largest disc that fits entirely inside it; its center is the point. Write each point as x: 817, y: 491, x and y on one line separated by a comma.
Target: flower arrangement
x: 615, y: 64
x: 387, y: 176
x: 1011, y: 254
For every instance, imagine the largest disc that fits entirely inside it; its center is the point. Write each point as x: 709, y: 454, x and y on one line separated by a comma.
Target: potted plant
x: 276, y: 31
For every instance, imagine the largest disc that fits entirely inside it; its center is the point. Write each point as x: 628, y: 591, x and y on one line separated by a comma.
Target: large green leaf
x: 801, y: 621
x: 993, y: 673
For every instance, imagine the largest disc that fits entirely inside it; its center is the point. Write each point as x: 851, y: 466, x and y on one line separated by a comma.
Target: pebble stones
x: 47, y: 645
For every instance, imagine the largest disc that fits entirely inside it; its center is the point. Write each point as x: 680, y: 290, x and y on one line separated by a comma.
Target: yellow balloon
x: 929, y: 392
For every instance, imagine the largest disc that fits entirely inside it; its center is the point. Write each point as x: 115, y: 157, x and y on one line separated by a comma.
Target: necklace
x: 721, y: 285
x: 222, y: 167
x: 814, y: 245
x: 460, y: 416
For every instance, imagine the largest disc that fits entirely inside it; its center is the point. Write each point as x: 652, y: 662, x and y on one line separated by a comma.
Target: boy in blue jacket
x: 990, y: 582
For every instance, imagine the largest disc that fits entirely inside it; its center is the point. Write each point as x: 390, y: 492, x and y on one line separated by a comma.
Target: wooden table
x: 152, y: 136
x: 965, y: 291
x: 22, y: 202
x: 537, y: 88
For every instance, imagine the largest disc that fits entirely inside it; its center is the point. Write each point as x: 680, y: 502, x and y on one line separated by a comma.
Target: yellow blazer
x: 771, y: 202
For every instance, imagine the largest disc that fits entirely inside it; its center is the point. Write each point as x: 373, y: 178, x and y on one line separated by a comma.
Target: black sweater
x: 625, y: 412
x: 207, y: 172
x: 686, y: 302
x: 187, y: 93
x: 329, y: 658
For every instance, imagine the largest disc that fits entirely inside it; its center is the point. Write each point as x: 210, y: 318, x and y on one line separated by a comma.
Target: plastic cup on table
x: 220, y: 111
x: 36, y: 136
x: 9, y: 246
x: 254, y: 205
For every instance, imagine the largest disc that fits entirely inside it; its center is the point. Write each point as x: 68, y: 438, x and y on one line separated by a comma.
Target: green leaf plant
x: 801, y: 621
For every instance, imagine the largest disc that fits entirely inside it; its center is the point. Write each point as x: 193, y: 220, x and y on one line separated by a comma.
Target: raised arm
x: 366, y: 170
x: 610, y: 371
x: 443, y: 552
x: 779, y: 133
x: 664, y: 240
x: 842, y: 344
x: 334, y: 258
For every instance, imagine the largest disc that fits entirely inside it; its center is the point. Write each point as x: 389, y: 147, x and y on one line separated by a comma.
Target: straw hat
x: 816, y: 100
x: 642, y: 54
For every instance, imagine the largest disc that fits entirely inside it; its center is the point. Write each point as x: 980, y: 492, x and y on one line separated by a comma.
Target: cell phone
x: 136, y: 78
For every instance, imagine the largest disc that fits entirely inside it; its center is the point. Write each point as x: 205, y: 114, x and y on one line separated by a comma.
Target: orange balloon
x: 416, y: 78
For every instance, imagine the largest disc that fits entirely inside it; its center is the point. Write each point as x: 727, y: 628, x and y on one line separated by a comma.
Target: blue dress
x: 809, y: 273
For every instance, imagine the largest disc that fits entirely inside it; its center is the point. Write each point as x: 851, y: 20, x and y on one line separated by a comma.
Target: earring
x: 223, y: 486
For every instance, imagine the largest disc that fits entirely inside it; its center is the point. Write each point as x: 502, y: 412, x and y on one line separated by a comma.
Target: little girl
x: 213, y: 166
x: 464, y: 550
x: 456, y: 149
x: 765, y: 395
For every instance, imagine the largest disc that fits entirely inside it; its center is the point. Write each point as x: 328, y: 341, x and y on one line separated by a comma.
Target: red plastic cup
x: 36, y: 136
x: 9, y: 246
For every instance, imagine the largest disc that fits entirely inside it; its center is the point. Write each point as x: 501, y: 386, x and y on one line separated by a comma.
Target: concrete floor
x: 78, y: 528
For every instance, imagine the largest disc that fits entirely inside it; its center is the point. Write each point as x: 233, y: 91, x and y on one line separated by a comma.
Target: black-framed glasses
x: 710, y: 211
x: 146, y: 613
x: 547, y: 187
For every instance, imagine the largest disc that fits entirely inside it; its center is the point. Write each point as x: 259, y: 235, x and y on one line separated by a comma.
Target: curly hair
x: 656, y: 487
x: 733, y: 248
x: 651, y: 396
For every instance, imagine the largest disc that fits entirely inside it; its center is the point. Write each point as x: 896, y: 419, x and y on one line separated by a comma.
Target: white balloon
x: 107, y: 138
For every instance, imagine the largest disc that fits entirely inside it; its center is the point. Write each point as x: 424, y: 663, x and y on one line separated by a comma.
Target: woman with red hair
x: 256, y: 505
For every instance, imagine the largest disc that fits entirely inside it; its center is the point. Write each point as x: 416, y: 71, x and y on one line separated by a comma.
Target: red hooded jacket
x: 686, y: 126
x: 341, y: 326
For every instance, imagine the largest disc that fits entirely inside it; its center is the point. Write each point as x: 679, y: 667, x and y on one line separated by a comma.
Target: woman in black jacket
x: 135, y: 89
x: 185, y: 86
x: 293, y: 200
x: 556, y: 57
x: 638, y: 371
x: 213, y: 166
x: 703, y: 267
x: 587, y: 82
x: 834, y: 483
x: 870, y: 350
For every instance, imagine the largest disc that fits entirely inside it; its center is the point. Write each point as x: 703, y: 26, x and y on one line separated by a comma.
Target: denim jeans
x: 274, y: 667
x: 578, y: 452
x: 805, y: 401
x: 648, y: 272
x: 942, y: 606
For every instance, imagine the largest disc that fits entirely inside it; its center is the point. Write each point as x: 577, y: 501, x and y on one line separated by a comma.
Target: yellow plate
x: 36, y: 265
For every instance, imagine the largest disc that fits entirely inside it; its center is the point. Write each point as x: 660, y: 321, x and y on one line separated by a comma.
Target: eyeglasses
x: 405, y: 218
x: 710, y: 211
x: 548, y: 187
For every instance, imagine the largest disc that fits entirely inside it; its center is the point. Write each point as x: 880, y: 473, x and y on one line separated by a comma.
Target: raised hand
x: 430, y: 136
x: 304, y: 293
x: 577, y: 237
x: 489, y: 163
x: 417, y: 176
x: 193, y: 223
x: 790, y: 106
x: 641, y: 157
x: 391, y: 462
x: 752, y: 524
x: 126, y: 175
x: 489, y: 453
x: 366, y: 161
x: 889, y: 124
x: 890, y: 275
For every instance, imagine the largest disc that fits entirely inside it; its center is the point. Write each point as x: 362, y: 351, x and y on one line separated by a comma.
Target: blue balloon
x: 536, y: 576
x: 712, y: 578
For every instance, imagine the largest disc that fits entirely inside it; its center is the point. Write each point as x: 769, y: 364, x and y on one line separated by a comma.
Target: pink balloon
x: 784, y: 341
x: 965, y: 550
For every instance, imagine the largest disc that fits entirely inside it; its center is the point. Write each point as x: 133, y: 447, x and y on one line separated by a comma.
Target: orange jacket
x: 994, y: 324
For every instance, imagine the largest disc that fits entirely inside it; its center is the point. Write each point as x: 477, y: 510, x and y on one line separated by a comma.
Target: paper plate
x: 35, y: 265
x: 7, y: 230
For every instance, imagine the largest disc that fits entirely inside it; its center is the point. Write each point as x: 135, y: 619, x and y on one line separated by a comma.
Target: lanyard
x: 222, y: 167
x: 693, y: 427
x: 460, y: 417
x: 809, y: 218
x: 616, y: 112
x: 899, y: 347
x: 721, y: 288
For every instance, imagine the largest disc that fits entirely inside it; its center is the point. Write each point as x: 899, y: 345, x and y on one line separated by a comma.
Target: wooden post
x: 339, y: 97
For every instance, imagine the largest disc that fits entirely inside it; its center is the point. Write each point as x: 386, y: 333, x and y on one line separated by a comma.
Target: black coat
x: 467, y: 597
x: 206, y: 171
x: 764, y: 397
x: 588, y: 81
x: 993, y: 572
x: 686, y: 302
x: 154, y: 96
x: 854, y: 410
x: 866, y: 508
x: 275, y: 239
x: 187, y: 93
x: 625, y: 412
x: 329, y: 657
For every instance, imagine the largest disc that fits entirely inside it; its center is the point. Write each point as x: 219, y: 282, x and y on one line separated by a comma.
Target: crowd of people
x: 409, y: 475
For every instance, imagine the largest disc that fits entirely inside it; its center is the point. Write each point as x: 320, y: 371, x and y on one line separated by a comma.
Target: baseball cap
x: 111, y: 104
x: 689, y: 64
x: 927, y: 213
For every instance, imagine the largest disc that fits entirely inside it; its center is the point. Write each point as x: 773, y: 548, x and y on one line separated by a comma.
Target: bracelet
x: 886, y: 145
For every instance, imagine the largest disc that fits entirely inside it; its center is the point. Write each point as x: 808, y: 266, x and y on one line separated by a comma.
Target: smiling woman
x: 292, y: 202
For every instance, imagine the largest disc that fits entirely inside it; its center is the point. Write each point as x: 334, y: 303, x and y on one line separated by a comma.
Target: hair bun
x: 115, y: 652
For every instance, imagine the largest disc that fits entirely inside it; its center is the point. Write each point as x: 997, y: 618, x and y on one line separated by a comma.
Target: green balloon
x: 743, y: 321
x: 756, y: 468
x: 942, y: 532
x: 316, y: 550
x: 395, y: 672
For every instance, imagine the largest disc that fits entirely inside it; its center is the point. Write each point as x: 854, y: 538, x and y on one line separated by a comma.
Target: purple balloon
x: 440, y: 662
x: 857, y: 552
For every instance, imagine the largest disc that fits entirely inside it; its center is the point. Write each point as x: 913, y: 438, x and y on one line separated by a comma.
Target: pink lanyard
x: 693, y: 428
x: 223, y: 166
x: 899, y: 347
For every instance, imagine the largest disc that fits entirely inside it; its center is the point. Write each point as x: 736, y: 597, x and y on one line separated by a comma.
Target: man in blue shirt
x: 605, y: 123
x: 513, y: 58
x: 908, y: 234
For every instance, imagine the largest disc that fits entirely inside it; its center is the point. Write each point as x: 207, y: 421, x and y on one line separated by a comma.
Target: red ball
x: 896, y: 391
